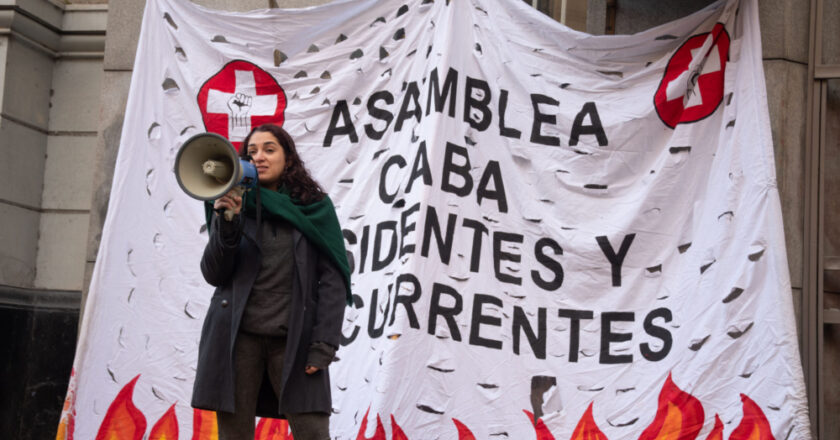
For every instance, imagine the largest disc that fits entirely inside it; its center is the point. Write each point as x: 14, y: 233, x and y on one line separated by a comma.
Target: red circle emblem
x: 692, y: 86
x: 239, y: 97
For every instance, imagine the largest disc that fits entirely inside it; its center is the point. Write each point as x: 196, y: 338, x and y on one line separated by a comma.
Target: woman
x: 281, y: 277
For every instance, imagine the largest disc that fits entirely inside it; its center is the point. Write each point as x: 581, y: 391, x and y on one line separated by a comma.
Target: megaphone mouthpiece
x: 218, y: 169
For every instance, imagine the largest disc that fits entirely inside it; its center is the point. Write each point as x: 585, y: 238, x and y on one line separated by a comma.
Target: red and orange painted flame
x: 542, y: 431
x: 679, y: 415
x: 380, y: 430
x: 123, y: 421
x: 717, y: 431
x: 587, y: 429
x: 464, y: 433
x: 273, y: 429
x: 167, y: 427
x: 67, y: 425
x: 754, y: 424
x: 204, y: 425
x: 396, y: 431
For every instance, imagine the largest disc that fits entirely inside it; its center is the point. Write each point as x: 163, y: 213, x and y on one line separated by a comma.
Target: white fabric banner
x: 551, y: 233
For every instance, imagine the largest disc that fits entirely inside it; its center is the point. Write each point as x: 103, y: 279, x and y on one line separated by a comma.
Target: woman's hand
x: 311, y: 370
x: 231, y: 200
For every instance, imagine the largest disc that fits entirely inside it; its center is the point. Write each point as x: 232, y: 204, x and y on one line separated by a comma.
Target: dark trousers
x: 255, y: 355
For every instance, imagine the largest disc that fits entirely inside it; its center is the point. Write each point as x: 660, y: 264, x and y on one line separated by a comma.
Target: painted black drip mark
x: 357, y: 101
x: 169, y: 85
x: 593, y: 390
x: 442, y: 370
x: 683, y: 247
x: 383, y: 53
x: 340, y: 38
x: 428, y: 409
x: 666, y: 37
x: 279, y: 57
x: 326, y: 102
x: 169, y: 20
x: 157, y: 394
x: 128, y: 262
x: 611, y: 73
x: 402, y: 10
x: 683, y: 149
x: 312, y: 48
x: 469, y: 141
x: 488, y: 386
x: 378, y: 20
x: 478, y: 48
x: 152, y: 131
x: 111, y: 373
x: 326, y: 75
x: 202, y: 229
x: 729, y: 99
x: 130, y: 294
x: 730, y: 124
x: 219, y: 39
x: 727, y: 214
x: 386, y: 73
x: 736, y: 333
x: 186, y: 310
x: 755, y: 256
x: 358, y: 53
x: 564, y: 85
x: 622, y: 424
x: 300, y: 74
x: 187, y: 128
x: 655, y: 269
x: 624, y: 390
x: 595, y: 186
x: 315, y: 90
x: 733, y: 295
x: 696, y: 344
x: 399, y: 34
x: 179, y: 51
x: 706, y: 266
x: 149, y: 176
x: 429, y: 51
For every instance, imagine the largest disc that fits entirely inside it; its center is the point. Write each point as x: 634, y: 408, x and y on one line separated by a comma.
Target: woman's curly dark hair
x: 295, y: 177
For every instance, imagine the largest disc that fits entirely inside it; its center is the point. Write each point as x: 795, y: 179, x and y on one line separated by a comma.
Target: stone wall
x: 50, y: 82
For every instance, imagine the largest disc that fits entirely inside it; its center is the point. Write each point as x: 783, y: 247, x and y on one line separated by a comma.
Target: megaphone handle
x: 237, y: 191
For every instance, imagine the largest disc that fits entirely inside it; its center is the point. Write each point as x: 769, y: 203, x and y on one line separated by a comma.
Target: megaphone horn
x: 207, y: 167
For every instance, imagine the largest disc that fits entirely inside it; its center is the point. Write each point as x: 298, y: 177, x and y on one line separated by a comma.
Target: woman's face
x: 269, y: 158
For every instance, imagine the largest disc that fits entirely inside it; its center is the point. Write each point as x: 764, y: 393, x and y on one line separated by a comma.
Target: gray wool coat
x: 318, y: 301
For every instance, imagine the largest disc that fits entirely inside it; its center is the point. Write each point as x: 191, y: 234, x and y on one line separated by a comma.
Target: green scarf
x: 316, y: 221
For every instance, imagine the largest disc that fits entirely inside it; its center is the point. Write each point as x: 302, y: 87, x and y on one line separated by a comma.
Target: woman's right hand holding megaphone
x: 231, y: 202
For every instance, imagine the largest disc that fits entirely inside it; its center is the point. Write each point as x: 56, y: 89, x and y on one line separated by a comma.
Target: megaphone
x: 207, y: 167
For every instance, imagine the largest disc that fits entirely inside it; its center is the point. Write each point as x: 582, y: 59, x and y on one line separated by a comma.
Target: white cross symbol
x: 684, y: 86
x: 241, y: 104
